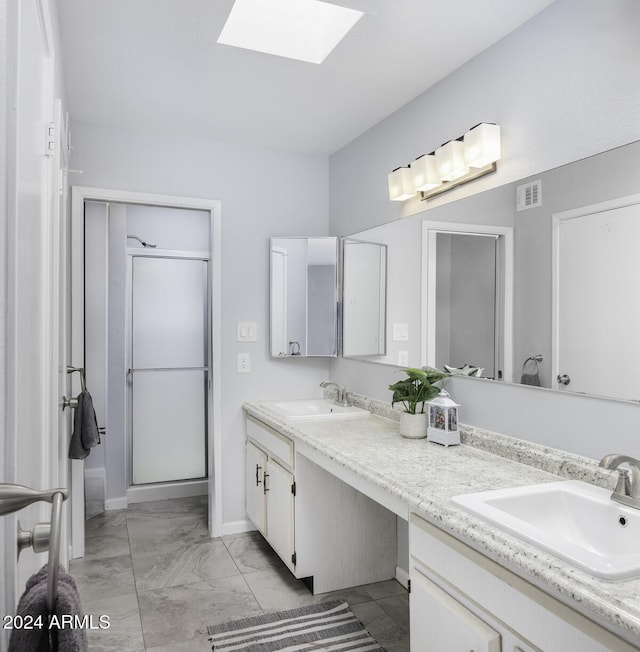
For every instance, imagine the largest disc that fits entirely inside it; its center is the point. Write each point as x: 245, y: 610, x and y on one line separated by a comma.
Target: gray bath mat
x: 324, y: 626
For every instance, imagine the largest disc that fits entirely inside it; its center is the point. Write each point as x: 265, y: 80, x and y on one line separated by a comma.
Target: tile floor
x: 153, y: 569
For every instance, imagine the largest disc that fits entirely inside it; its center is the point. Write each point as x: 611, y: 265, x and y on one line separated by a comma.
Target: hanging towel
x: 531, y: 371
x: 34, y: 603
x: 85, y: 428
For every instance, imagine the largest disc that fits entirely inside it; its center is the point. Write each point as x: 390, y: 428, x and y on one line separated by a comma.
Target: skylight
x: 307, y: 30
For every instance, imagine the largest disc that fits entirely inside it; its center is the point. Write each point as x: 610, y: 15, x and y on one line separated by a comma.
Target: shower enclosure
x: 168, y: 372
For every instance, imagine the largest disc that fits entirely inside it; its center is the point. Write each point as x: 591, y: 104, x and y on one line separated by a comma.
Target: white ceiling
x: 155, y: 64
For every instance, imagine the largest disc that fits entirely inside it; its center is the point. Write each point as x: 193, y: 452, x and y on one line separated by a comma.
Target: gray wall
x: 199, y: 167
x: 564, y: 86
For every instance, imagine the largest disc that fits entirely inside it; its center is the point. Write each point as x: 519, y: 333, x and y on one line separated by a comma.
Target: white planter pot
x: 413, y: 426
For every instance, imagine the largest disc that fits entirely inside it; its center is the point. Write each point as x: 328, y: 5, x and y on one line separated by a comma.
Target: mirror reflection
x: 304, y: 275
x: 364, y: 292
x: 608, y: 176
x: 469, y: 298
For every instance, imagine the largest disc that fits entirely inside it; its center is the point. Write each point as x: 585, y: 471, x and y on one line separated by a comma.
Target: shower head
x: 142, y: 242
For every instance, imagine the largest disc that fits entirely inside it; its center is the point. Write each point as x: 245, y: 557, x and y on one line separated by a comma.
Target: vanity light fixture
x: 424, y: 173
x: 466, y: 158
x: 450, y: 160
x: 401, y: 184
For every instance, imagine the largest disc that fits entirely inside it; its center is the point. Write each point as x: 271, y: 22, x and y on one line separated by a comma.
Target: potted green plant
x: 413, y: 392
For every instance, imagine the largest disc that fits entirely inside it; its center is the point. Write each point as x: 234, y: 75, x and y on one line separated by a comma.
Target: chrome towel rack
x: 73, y: 402
x: 43, y: 536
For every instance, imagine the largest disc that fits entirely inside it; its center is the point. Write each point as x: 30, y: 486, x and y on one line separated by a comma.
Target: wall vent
x: 529, y: 195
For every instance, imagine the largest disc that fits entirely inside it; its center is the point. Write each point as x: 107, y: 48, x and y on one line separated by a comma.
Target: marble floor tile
x: 125, y: 629
x: 354, y: 595
x: 383, y: 628
x: 278, y: 589
x: 397, y: 608
x: 180, y: 613
x: 172, y: 506
x: 193, y: 645
x: 103, y: 578
x: 107, y: 542
x: 185, y: 565
x: 251, y: 552
x: 96, y: 523
x: 157, y: 532
x: 385, y: 589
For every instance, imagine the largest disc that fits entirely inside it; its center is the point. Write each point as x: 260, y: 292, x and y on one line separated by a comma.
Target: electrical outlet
x: 244, y: 363
x: 403, y: 358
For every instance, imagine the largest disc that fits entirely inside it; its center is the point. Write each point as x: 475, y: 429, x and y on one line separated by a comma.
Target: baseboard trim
x: 237, y: 527
x: 402, y: 576
x: 116, y: 503
x: 167, y: 490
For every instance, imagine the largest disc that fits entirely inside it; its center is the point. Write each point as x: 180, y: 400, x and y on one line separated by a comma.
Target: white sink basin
x: 313, y: 408
x: 572, y: 520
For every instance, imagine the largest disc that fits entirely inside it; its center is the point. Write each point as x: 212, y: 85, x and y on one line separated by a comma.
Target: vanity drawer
x: 272, y: 442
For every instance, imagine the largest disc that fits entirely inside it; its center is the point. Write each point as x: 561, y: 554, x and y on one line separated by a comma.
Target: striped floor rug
x: 324, y: 626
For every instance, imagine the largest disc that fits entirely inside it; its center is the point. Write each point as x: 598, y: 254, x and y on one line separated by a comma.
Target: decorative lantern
x: 443, y: 420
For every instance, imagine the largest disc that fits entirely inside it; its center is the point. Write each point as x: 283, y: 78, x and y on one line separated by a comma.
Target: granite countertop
x: 427, y: 475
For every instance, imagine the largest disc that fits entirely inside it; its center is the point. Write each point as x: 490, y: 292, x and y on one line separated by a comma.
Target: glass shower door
x: 169, y: 374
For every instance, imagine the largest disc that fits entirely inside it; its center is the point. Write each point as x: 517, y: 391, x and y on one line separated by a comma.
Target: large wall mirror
x: 304, y: 297
x: 537, y: 353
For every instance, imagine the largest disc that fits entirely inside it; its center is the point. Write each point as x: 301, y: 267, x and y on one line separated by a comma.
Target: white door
x: 256, y: 467
x: 596, y: 285
x: 280, y: 511
x: 169, y: 373
x: 36, y: 454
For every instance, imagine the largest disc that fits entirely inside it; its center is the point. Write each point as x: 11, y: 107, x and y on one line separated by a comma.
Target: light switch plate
x: 400, y: 332
x: 247, y: 331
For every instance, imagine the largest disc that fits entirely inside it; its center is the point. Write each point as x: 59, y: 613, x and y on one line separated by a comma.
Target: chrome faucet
x: 341, y: 393
x: 627, y: 489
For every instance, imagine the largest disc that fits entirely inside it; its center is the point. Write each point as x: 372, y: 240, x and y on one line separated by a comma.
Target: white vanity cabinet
x: 461, y: 600
x: 270, y: 488
x: 319, y: 526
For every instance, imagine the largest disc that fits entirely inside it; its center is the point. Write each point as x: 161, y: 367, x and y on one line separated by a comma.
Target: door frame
x: 81, y: 194
x: 504, y: 318
x: 165, y: 254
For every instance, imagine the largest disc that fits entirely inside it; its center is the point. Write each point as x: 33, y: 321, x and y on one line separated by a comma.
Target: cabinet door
x: 256, y: 465
x: 438, y: 622
x: 280, y: 515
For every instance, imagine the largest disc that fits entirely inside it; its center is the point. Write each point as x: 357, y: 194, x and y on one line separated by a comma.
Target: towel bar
x: 83, y: 376
x: 14, y: 497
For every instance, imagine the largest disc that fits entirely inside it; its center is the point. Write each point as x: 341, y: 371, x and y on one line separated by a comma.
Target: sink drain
x: 622, y: 521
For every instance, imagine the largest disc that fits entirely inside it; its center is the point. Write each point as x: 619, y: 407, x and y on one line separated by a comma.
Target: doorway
x: 138, y: 373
